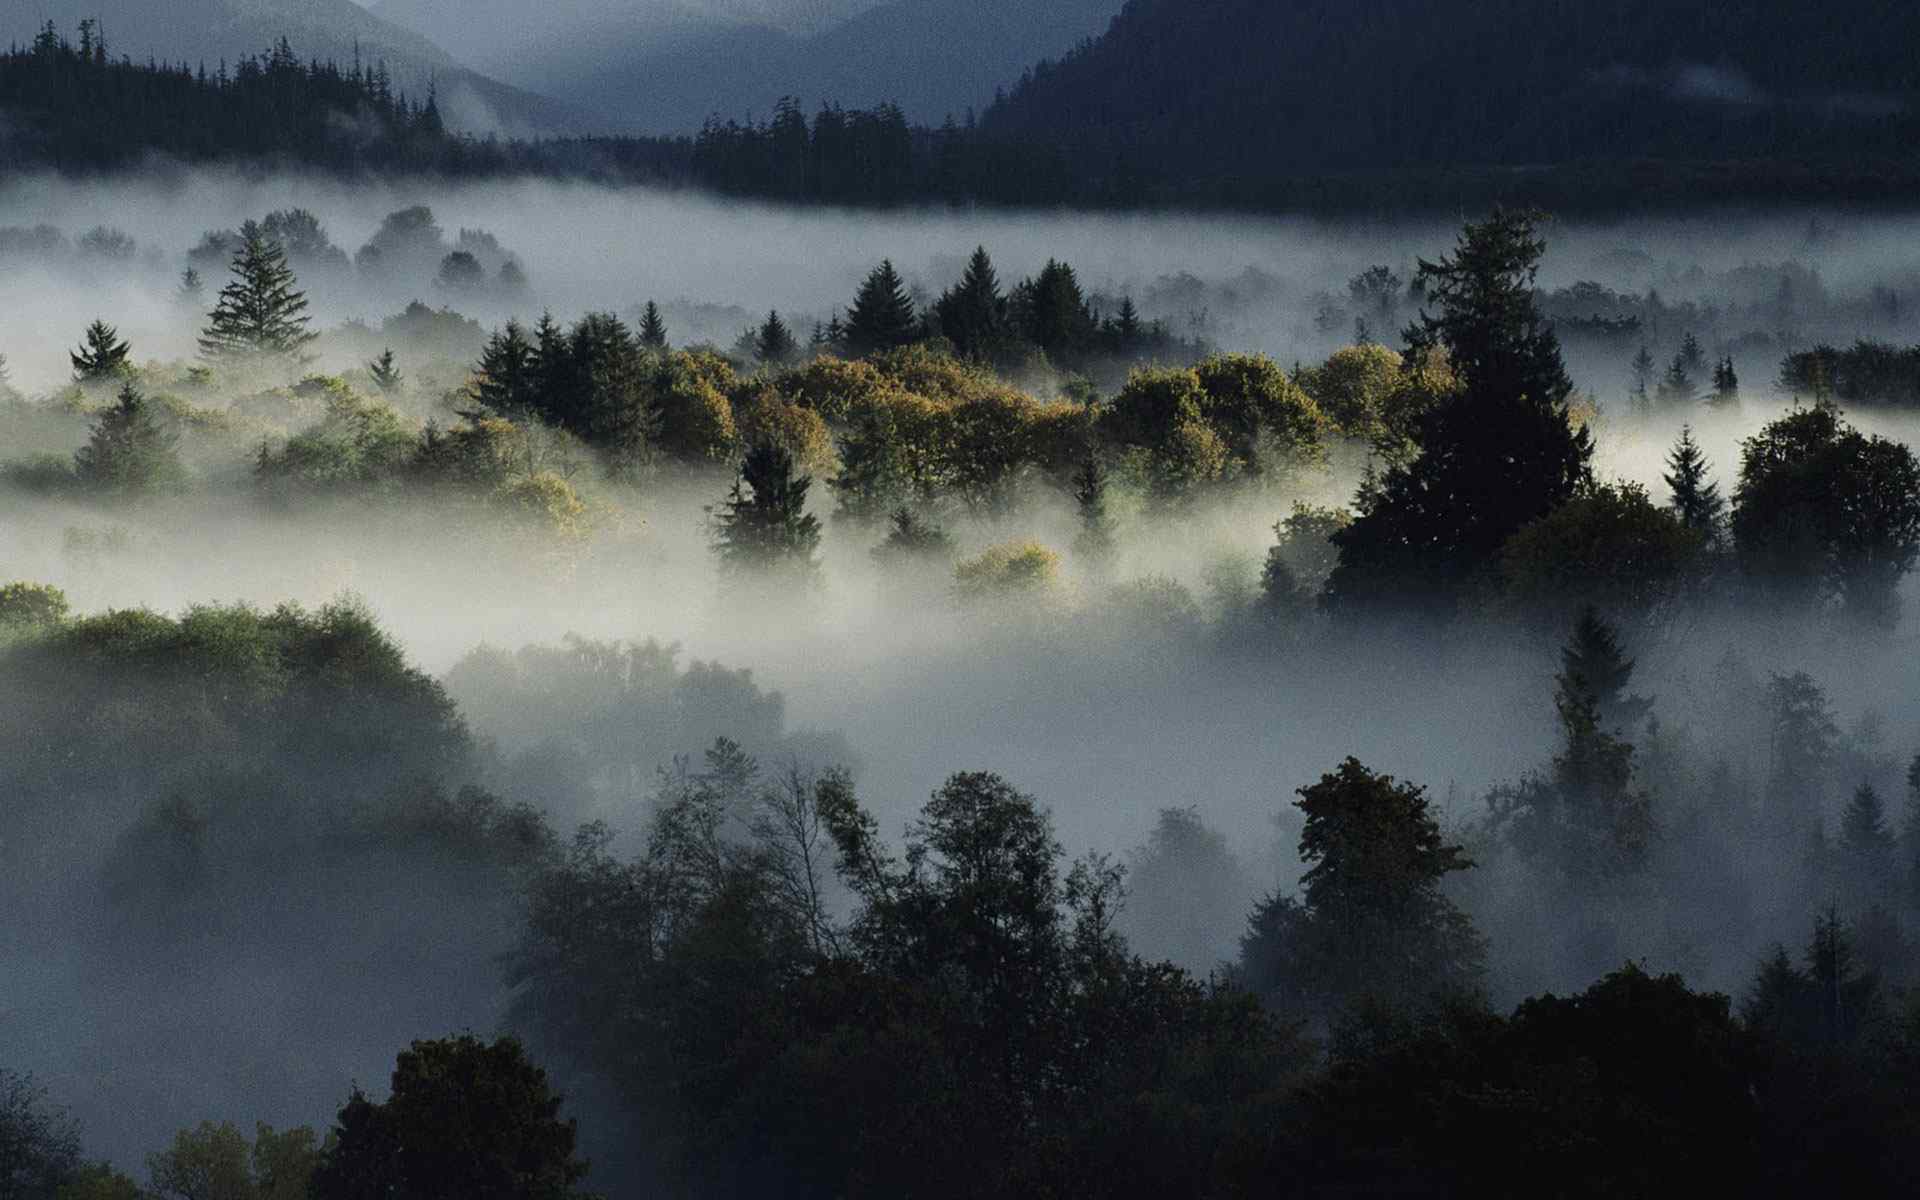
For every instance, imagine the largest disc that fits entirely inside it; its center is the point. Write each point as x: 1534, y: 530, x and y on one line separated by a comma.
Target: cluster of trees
x: 75, y: 107
x: 1867, y: 374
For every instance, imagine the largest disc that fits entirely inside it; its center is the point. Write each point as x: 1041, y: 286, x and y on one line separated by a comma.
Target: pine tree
x: 1696, y: 498
x: 763, y: 525
x: 102, y: 354
x: 386, y: 375
x: 1127, y: 328
x: 1604, y: 821
x: 1594, y: 672
x: 972, y: 314
x: 1051, y: 312
x: 882, y: 314
x: 653, y: 328
x: 1726, y: 384
x: 192, y: 289
x: 1691, y: 357
x: 259, y: 313
x: 1494, y: 457
x: 1094, y: 542
x: 773, y: 343
x: 504, y: 381
x: 1677, y: 388
x: 128, y: 451
x: 913, y: 539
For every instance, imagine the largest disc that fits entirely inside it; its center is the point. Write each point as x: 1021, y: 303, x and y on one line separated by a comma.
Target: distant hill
x: 1180, y: 91
x: 197, y: 31
x: 666, y: 68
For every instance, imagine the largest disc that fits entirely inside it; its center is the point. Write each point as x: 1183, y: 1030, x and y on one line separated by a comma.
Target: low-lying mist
x: 1140, y: 684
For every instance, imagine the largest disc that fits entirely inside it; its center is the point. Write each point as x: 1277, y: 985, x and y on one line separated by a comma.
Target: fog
x: 261, y: 1002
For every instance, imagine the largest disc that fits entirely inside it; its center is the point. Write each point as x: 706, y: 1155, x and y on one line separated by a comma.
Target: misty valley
x: 526, y: 681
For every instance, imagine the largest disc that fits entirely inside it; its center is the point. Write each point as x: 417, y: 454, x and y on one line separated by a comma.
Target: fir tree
x: 1696, y: 498
x: 1494, y: 457
x: 128, y: 451
x: 1128, y: 331
x: 1595, y: 673
x: 882, y: 314
x: 913, y: 539
x: 1677, y: 387
x: 259, y: 313
x: 102, y: 354
x: 1095, y: 539
x: 1691, y: 357
x: 1639, y: 394
x: 504, y: 381
x: 1603, y: 823
x: 972, y: 314
x: 653, y: 328
x: 1726, y: 384
x: 773, y: 343
x: 1865, y: 837
x: 763, y: 525
x: 1052, y: 313
x: 192, y: 290
x: 386, y: 375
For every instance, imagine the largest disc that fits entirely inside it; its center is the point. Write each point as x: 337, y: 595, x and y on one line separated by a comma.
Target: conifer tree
x: 102, y: 354
x: 763, y: 525
x: 6, y: 375
x: 653, y: 328
x: 1128, y: 331
x: 504, y: 381
x: 1639, y: 393
x: 1594, y: 672
x: 1696, y: 498
x: 1677, y: 387
x: 1605, y: 821
x: 882, y: 314
x: 1095, y: 539
x: 1052, y: 313
x: 1864, y: 834
x: 972, y: 314
x: 774, y: 344
x: 192, y: 288
x: 913, y: 539
x: 128, y: 451
x: 1726, y: 384
x: 386, y: 374
x: 1494, y: 457
x: 260, y: 314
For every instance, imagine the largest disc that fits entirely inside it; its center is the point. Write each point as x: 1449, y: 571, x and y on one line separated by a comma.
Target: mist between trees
x: 957, y: 727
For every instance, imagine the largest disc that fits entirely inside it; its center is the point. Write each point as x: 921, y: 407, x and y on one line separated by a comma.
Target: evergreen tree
x: 774, y: 344
x: 1605, y: 823
x: 192, y: 289
x: 913, y: 539
x: 1726, y: 384
x: 504, y: 382
x: 1867, y: 842
x: 1128, y: 331
x: 129, y: 452
x: 1639, y: 394
x: 1803, y: 737
x: 6, y: 376
x: 1696, y: 498
x: 653, y: 328
x: 882, y: 314
x: 763, y: 525
x: 1691, y: 358
x: 102, y: 354
x: 1051, y: 312
x: 1677, y: 387
x: 386, y: 375
x: 1095, y: 539
x: 972, y: 314
x: 259, y: 313
x: 1494, y: 457
x: 1595, y: 673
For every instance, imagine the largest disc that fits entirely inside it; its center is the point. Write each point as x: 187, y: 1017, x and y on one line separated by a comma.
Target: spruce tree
x: 1639, y: 393
x: 882, y: 315
x: 1696, y: 498
x: 1095, y: 539
x: 192, y: 288
x: 1052, y: 313
x: 653, y: 328
x: 1605, y: 822
x: 972, y: 314
x: 1864, y: 834
x: 129, y: 452
x: 259, y: 313
x: 763, y: 525
x: 1726, y: 384
x: 1594, y: 672
x: 1677, y: 387
x: 1494, y: 457
x: 913, y: 539
x: 773, y: 343
x: 386, y: 375
x: 504, y: 381
x: 102, y: 354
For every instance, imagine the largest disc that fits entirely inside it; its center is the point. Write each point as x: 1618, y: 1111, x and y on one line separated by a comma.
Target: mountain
x: 1261, y: 89
x: 494, y: 35
x: 664, y: 67
x: 208, y: 31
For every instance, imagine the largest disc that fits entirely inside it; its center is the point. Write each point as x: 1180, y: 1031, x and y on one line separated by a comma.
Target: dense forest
x: 74, y: 108
x: 617, y: 922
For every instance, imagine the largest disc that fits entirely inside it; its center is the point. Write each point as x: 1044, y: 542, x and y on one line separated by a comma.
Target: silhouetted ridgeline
x: 72, y: 108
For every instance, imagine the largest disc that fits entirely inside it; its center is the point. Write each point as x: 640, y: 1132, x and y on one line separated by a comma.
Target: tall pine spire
x: 260, y: 314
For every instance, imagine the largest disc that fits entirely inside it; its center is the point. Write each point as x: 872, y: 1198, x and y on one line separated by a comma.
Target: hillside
x: 1182, y: 90
x: 208, y: 31
x: 664, y: 69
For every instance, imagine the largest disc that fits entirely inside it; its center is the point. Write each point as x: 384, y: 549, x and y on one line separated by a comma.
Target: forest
x: 737, y: 665
x: 1398, y: 771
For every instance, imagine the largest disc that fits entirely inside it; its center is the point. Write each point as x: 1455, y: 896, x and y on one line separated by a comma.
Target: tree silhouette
x: 129, y: 452
x: 653, y: 328
x: 386, y: 375
x: 972, y: 314
x: 1696, y: 498
x: 259, y: 314
x: 773, y: 342
x: 763, y: 525
x: 882, y: 314
x: 102, y: 354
